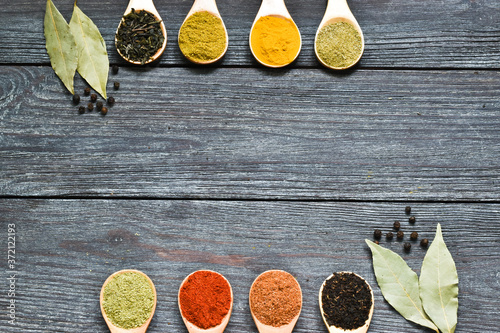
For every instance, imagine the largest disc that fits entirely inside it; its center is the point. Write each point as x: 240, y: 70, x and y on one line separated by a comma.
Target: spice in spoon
x: 275, y: 41
x: 128, y: 300
x: 275, y: 298
x: 339, y: 45
x: 346, y: 301
x: 205, y: 299
x: 202, y: 37
x: 139, y: 36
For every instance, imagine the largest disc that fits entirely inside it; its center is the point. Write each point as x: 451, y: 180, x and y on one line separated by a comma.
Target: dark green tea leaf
x: 399, y: 285
x: 439, y: 285
x: 93, y: 63
x: 60, y: 45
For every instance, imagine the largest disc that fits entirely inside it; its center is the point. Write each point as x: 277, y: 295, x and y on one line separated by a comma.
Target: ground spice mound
x: 275, y: 298
x: 128, y: 300
x: 205, y: 299
x: 339, y: 45
x: 346, y: 301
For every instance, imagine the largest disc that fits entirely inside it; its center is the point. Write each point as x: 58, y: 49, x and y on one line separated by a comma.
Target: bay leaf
x: 93, y: 63
x: 60, y: 45
x: 399, y: 285
x: 439, y: 285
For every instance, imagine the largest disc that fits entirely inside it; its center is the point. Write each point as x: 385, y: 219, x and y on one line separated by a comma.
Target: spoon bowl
x: 209, y: 6
x: 264, y: 328
x: 338, y: 11
x: 334, y: 329
x: 148, y: 6
x: 195, y: 329
x: 112, y: 327
x: 276, y: 8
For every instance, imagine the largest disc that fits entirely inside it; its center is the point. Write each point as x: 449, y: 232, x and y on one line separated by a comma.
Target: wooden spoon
x: 115, y: 329
x: 211, y: 7
x: 273, y: 8
x: 263, y: 328
x: 338, y: 11
x: 148, y: 6
x: 217, y: 329
x: 333, y: 329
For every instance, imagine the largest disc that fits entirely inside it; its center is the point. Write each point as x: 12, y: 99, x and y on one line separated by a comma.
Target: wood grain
x: 245, y: 133
x: 66, y: 249
x: 398, y: 33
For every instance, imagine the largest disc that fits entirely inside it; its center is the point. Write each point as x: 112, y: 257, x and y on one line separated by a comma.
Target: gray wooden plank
x: 398, y: 33
x: 65, y: 249
x: 243, y: 133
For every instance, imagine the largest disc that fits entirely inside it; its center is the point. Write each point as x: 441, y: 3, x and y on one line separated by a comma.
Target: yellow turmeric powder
x: 275, y: 41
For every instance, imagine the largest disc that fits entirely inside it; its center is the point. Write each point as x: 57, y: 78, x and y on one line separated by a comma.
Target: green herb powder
x: 202, y: 37
x: 339, y: 45
x: 128, y: 300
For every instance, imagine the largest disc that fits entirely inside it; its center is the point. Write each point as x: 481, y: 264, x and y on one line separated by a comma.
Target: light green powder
x: 339, y: 45
x: 128, y: 300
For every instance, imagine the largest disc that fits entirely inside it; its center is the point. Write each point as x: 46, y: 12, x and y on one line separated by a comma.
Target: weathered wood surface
x: 66, y: 248
x: 398, y: 33
x: 246, y: 133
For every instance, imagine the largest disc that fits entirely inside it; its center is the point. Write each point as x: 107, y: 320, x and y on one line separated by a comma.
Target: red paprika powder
x: 205, y: 299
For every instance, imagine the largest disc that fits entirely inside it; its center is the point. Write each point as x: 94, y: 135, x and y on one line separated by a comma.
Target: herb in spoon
x: 339, y: 42
x: 141, y: 36
x: 128, y: 301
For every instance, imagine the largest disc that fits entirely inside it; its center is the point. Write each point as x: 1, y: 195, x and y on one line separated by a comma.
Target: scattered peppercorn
x: 76, y: 98
x: 412, y: 219
x: 424, y: 242
x: 111, y: 100
x: 81, y: 109
x: 90, y: 106
x: 407, y: 210
x: 115, y: 69
x: 377, y: 234
x: 400, y: 235
x: 86, y: 92
x: 98, y: 106
x: 377, y: 242
x: 397, y: 225
x: 116, y: 85
x: 93, y: 98
x: 389, y: 235
x: 104, y: 110
x: 414, y: 236
x: 407, y: 247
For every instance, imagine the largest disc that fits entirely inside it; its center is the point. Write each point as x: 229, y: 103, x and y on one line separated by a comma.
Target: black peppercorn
x: 400, y: 235
x: 115, y: 69
x: 412, y: 219
x: 424, y: 242
x: 86, y: 92
x: 407, y: 247
x: 90, y: 106
x: 414, y: 236
x: 116, y: 85
x: 377, y: 234
x: 98, y: 106
x: 81, y: 109
x: 397, y: 225
x: 407, y: 210
x: 93, y: 98
x: 389, y: 235
x: 76, y: 98
x: 104, y: 110
x: 111, y: 100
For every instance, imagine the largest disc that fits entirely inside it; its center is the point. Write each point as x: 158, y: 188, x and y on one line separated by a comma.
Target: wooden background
x: 239, y: 168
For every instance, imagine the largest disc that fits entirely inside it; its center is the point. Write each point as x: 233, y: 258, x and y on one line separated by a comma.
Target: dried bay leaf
x: 60, y: 45
x: 93, y: 63
x: 439, y: 285
x: 399, y: 285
